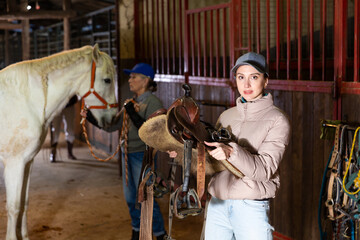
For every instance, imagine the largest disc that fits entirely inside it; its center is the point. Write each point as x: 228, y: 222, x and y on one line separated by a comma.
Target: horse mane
x: 43, y: 66
x: 60, y: 60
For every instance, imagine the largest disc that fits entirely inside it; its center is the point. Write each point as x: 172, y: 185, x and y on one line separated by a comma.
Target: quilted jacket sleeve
x: 263, y: 165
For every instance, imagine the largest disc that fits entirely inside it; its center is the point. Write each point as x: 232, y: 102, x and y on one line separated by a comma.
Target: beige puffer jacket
x: 261, y: 131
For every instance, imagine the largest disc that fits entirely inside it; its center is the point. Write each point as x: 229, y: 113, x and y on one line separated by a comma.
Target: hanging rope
x: 124, y: 135
x: 90, y: 147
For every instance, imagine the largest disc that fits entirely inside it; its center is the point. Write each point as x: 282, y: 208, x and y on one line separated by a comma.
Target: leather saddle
x: 168, y: 132
x: 183, y: 120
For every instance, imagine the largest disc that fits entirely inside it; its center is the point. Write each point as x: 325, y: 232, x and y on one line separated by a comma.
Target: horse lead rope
x: 90, y: 147
x: 124, y: 135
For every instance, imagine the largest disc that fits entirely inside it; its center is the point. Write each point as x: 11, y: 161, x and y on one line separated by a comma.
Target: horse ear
x: 96, y: 52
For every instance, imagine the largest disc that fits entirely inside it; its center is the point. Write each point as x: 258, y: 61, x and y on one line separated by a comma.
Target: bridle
x: 92, y: 90
x: 105, y: 105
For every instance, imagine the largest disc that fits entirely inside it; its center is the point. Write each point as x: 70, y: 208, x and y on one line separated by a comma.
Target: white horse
x: 32, y: 93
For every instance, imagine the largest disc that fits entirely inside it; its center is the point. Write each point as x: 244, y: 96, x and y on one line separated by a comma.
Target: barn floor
x: 83, y: 199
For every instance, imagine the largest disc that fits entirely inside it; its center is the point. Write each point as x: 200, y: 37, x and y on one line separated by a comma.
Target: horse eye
x: 107, y: 80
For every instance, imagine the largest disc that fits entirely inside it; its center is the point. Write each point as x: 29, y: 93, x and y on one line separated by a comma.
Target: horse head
x: 100, y: 98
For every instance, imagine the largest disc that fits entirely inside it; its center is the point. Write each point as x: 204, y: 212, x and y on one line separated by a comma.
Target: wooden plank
x: 297, y: 166
x: 318, y: 155
x: 67, y: 29
x: 25, y: 39
x: 10, y: 26
x: 39, y: 14
x: 6, y: 45
x: 307, y: 167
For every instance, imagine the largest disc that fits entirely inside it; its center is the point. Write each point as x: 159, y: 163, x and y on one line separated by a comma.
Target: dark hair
x: 152, y: 85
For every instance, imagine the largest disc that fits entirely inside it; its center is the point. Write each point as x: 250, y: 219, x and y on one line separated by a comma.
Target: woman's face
x: 250, y: 82
x: 138, y: 83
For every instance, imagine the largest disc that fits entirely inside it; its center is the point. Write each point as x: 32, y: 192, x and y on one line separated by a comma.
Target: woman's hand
x: 172, y: 154
x: 221, y: 151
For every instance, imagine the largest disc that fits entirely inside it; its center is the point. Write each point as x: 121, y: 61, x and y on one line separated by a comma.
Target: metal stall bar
x: 192, y: 27
x: 277, y: 38
x: 205, y: 45
x: 174, y: 36
x: 240, y: 24
x: 153, y: 53
x: 181, y: 34
x: 141, y: 25
x: 168, y: 38
x: 186, y: 45
x: 249, y: 25
x: 224, y: 43
x: 311, y: 21
x: 158, y: 37
x: 340, y: 19
x: 211, y: 54
x: 217, y: 42
x: 356, y: 41
x: 198, y: 43
x: 299, y: 39
x: 288, y: 40
x: 109, y: 36
x: 322, y: 39
x: 232, y: 29
x: 268, y: 31
x: 147, y: 31
x: 162, y: 37
x: 258, y: 26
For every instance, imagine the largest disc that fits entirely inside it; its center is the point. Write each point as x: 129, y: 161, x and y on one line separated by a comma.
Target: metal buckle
x: 159, y: 189
x: 221, y: 135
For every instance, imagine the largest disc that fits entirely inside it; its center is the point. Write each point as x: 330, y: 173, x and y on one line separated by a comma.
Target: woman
x: 239, y: 207
x: 139, y: 108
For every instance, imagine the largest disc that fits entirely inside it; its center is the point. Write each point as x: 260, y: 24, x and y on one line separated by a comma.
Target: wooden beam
x: 67, y: 28
x: 39, y: 14
x: 10, y: 26
x: 26, y: 39
x: 7, y: 48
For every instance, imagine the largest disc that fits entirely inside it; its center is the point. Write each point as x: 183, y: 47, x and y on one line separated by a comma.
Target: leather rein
x: 105, y: 105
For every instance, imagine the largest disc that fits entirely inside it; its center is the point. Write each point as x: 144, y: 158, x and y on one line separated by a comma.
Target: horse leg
x: 27, y: 170
x: 16, y: 198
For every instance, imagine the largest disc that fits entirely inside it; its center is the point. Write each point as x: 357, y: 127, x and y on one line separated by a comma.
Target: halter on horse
x: 31, y: 94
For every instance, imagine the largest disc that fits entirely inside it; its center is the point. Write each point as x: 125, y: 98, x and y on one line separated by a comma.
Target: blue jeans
x: 130, y: 191
x: 237, y: 219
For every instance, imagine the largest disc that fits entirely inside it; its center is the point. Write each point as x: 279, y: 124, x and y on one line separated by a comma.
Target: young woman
x: 239, y: 207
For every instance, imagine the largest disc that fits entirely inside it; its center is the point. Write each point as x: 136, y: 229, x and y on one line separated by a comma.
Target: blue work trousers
x: 130, y: 191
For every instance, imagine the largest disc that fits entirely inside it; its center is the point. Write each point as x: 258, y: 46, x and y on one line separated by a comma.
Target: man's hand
x: 221, y: 151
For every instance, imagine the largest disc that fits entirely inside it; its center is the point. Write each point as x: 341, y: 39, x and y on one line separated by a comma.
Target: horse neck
x: 65, y: 83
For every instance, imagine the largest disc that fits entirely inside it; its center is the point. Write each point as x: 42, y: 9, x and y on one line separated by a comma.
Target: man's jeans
x: 238, y: 219
x: 130, y: 191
